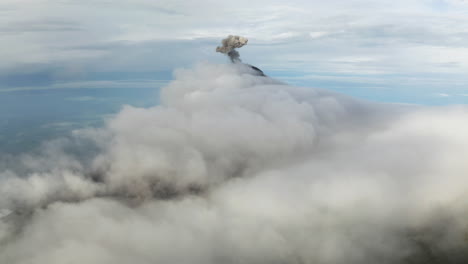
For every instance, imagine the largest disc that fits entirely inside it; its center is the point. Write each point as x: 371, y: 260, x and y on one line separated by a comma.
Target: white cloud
x: 234, y: 167
x: 318, y: 34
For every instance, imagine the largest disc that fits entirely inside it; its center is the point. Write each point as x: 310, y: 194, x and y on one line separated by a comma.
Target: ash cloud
x: 234, y: 167
x: 229, y: 46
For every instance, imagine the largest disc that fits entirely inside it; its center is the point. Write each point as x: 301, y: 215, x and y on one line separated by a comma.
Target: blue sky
x: 64, y: 54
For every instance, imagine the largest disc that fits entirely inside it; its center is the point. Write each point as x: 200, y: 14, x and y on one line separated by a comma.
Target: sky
x: 411, y: 51
x: 56, y: 52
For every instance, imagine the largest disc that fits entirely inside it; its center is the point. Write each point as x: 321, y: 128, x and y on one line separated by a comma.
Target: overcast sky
x: 415, y: 48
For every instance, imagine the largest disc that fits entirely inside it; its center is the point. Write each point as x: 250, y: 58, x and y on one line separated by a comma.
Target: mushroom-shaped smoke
x: 229, y: 46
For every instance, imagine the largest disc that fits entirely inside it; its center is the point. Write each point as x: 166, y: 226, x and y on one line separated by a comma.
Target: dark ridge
x: 257, y: 70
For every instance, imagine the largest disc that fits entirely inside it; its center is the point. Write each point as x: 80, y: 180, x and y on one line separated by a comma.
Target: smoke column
x: 233, y: 167
x: 229, y: 46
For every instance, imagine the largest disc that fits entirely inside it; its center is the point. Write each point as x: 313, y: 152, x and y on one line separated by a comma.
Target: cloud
x: 92, y: 84
x: 82, y: 98
x: 39, y: 26
x: 234, y: 167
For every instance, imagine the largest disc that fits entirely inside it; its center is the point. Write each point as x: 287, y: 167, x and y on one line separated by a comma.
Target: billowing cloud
x: 238, y: 168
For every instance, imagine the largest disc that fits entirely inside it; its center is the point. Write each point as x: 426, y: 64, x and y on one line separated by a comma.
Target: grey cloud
x: 111, y: 63
x: 408, y: 35
x: 229, y: 46
x: 40, y: 26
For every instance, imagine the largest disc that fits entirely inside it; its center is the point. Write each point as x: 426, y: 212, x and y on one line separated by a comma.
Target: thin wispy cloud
x: 415, y: 37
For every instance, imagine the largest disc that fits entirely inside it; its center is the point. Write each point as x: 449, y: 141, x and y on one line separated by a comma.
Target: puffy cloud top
x: 233, y: 167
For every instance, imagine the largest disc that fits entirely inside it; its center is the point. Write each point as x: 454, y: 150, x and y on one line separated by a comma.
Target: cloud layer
x: 390, y: 47
x: 238, y: 168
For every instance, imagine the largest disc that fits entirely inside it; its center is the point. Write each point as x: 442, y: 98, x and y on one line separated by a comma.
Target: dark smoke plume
x: 229, y: 46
